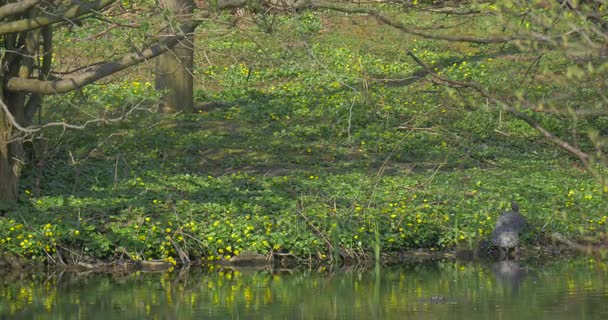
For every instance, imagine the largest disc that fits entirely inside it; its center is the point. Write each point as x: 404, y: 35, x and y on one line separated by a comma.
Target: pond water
x: 575, y: 289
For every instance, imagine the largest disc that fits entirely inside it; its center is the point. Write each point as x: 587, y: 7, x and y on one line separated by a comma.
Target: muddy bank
x: 12, y: 263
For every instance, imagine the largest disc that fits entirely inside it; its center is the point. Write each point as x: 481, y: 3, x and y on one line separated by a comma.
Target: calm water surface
x: 575, y: 289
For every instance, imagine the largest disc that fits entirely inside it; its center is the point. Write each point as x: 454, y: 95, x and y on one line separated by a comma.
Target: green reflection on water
x: 558, y: 290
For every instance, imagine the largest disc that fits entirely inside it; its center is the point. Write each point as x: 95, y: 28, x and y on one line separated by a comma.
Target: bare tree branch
x: 403, y: 28
x: 48, y: 19
x: 34, y: 129
x: 284, y: 5
x: 597, y: 112
x: 450, y: 11
x: 583, y: 157
x: 94, y: 73
x: 16, y: 8
x: 113, y: 26
x: 11, y: 119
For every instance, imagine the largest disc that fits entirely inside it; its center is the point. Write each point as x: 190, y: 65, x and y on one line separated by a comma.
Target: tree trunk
x: 22, y: 48
x: 26, y: 36
x: 11, y: 161
x: 174, y: 68
x: 9, y: 169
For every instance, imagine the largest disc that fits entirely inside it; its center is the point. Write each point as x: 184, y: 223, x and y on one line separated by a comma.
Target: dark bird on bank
x: 508, y: 227
x: 512, y: 219
x: 505, y: 238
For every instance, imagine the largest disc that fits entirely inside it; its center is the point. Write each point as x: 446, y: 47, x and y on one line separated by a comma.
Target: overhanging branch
x: 97, y: 72
x: 405, y: 29
x: 583, y: 157
x: 16, y: 8
x: 48, y: 19
x: 34, y: 129
x: 546, y: 133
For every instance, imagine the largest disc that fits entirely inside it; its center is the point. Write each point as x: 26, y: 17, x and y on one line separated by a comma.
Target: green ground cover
x: 322, y: 137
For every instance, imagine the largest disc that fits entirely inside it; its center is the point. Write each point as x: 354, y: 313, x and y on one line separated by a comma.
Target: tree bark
x: 35, y: 22
x: 11, y: 152
x: 11, y: 156
x: 174, y: 68
x: 22, y: 49
x: 15, y: 8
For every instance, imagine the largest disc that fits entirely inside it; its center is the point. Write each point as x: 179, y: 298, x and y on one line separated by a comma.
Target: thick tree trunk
x: 174, y: 68
x: 20, y: 61
x: 9, y: 169
x: 11, y: 156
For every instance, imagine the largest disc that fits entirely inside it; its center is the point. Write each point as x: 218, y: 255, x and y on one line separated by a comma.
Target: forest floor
x: 320, y: 140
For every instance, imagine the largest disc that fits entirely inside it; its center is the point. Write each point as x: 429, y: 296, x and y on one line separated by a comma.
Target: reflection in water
x: 508, y: 271
x: 446, y: 290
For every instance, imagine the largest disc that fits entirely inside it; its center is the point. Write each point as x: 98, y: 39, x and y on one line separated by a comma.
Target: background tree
x: 27, y: 47
x: 174, y: 68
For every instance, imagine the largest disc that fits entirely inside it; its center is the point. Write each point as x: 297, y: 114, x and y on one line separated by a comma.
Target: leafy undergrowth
x: 332, y: 143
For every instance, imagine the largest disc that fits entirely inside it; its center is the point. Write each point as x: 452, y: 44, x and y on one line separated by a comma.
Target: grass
x: 322, y: 139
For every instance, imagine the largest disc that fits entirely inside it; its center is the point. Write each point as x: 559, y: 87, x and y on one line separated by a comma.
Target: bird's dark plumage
x: 508, y: 227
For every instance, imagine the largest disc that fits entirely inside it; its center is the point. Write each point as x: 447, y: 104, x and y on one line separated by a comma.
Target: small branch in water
x: 588, y: 249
